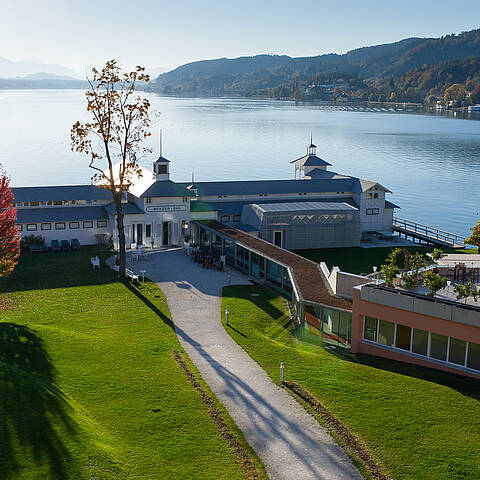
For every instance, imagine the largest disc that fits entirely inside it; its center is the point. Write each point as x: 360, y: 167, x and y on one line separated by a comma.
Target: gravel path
x: 288, y: 440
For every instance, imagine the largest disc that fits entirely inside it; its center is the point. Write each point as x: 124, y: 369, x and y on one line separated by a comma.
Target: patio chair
x: 75, y: 244
x: 55, y: 246
x: 65, y: 245
x: 34, y: 249
x: 95, y: 261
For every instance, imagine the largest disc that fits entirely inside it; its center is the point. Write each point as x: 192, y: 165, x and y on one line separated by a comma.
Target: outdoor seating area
x: 207, y: 259
x: 56, y: 246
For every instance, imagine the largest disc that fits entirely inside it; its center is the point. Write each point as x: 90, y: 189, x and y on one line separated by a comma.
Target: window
x: 162, y: 169
x: 456, y: 351
x: 225, y: 218
x: 370, y: 329
x: 420, y: 342
x: 46, y: 226
x: 473, y: 360
x: 148, y: 200
x: 50, y: 203
x: 101, y: 224
x: 278, y: 238
x: 88, y: 224
x: 369, y: 195
x: 148, y: 230
x: 31, y: 227
x: 74, y: 225
x: 386, y: 333
x: 60, y: 226
x: 34, y: 204
x: 372, y: 211
x: 375, y: 195
x: 185, y: 199
x: 58, y: 202
x: 236, y: 218
x: 438, y: 346
x: 402, y: 339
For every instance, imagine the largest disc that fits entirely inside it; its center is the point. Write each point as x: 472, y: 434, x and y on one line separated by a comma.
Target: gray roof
x: 368, y: 184
x: 390, y: 205
x: 311, y: 161
x: 161, y: 160
x: 235, y: 208
x: 276, y: 187
x: 167, y: 188
x: 304, y: 206
x: 318, y: 173
x: 127, y: 208
x: 60, y: 192
x: 60, y: 214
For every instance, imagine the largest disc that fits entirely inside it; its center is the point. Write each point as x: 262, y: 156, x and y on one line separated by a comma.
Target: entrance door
x: 278, y: 238
x: 139, y: 234
x: 165, y: 233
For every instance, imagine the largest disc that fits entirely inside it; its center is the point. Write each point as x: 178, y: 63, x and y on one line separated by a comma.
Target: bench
x: 95, y: 261
x: 130, y: 275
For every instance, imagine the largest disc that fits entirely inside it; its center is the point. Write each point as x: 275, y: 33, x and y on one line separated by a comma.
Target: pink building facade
x: 416, y: 329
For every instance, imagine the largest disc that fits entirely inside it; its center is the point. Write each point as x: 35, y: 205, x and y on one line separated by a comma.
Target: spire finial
x: 160, y: 142
x: 311, y: 138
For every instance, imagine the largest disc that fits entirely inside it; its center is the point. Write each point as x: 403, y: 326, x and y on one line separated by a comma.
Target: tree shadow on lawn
x: 50, y: 270
x: 465, y: 385
x: 32, y: 409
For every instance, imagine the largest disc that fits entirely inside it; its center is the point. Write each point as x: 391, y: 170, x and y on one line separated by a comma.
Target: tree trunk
x: 117, y: 198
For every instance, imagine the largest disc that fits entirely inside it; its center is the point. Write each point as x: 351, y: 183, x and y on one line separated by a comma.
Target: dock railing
x: 435, y: 235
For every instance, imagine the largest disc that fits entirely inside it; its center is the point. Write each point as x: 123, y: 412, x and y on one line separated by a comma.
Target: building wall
x: 86, y: 236
x: 448, y: 328
x: 373, y: 215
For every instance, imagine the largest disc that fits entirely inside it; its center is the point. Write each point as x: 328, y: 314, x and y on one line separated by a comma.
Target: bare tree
x: 119, y: 123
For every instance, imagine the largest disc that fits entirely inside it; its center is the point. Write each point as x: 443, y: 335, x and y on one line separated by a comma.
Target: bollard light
x: 229, y: 279
x: 226, y: 316
x: 282, y: 372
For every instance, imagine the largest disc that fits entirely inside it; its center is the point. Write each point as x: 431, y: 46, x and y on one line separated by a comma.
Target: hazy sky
x: 169, y: 33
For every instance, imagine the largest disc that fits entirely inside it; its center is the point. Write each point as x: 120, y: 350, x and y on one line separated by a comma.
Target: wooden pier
x: 427, y: 234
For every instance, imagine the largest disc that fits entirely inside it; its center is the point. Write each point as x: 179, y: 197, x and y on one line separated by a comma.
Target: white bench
x: 133, y: 278
x: 95, y: 261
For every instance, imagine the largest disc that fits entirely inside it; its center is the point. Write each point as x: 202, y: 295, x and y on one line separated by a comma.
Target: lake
x: 430, y: 163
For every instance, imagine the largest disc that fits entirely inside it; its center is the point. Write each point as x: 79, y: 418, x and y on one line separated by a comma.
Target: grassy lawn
x: 88, y: 385
x: 418, y: 423
x: 361, y: 260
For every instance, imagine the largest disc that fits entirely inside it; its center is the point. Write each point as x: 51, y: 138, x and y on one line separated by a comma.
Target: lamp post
x: 227, y: 314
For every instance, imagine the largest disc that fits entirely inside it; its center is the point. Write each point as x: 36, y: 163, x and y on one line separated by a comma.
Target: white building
x: 158, y: 211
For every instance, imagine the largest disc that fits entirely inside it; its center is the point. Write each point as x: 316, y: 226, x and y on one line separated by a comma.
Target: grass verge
x: 88, y: 385
x: 415, y: 422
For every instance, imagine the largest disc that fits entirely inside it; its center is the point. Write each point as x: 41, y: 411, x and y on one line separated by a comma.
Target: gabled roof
x: 367, y: 185
x: 310, y: 161
x: 167, y: 188
x: 127, y: 208
x: 275, y: 187
x: 60, y: 214
x: 60, y: 193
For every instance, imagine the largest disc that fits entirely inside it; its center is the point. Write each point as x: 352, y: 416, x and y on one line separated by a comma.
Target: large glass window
x: 456, y: 352
x: 473, y: 360
x: 403, y: 337
x: 370, y: 329
x: 420, y: 341
x: 386, y: 332
x: 438, y: 346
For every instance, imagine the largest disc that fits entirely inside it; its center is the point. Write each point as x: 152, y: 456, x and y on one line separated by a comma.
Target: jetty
x: 427, y: 234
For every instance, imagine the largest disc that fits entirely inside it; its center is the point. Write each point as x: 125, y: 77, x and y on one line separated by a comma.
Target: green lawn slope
x: 418, y: 423
x: 88, y: 385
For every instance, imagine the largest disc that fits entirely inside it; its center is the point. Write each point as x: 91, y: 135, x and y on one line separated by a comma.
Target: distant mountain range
x: 262, y: 73
x: 22, y: 68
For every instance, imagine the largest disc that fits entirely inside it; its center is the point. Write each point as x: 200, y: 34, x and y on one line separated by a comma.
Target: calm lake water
x: 430, y: 163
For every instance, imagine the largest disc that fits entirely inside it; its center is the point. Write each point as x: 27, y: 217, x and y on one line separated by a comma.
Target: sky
x: 80, y: 34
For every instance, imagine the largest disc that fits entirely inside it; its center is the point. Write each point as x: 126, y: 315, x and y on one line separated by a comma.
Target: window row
x: 422, y: 342
x: 56, y: 203
x: 372, y: 211
x: 226, y: 218
x: 33, y: 227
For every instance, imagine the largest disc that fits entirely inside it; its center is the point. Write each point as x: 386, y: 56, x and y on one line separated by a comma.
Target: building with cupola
x: 318, y: 208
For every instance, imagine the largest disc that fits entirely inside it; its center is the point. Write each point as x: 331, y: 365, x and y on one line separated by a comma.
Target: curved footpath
x: 288, y: 440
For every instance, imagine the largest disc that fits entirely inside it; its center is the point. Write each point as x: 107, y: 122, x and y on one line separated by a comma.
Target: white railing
x: 429, y: 233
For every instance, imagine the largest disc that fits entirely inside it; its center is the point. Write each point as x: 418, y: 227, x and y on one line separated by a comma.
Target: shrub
x: 28, y: 240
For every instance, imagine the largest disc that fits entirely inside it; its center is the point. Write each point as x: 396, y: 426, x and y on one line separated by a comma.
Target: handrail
x: 427, y: 231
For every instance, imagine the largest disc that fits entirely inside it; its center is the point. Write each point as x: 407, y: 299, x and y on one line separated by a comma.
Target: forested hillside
x: 413, y: 69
